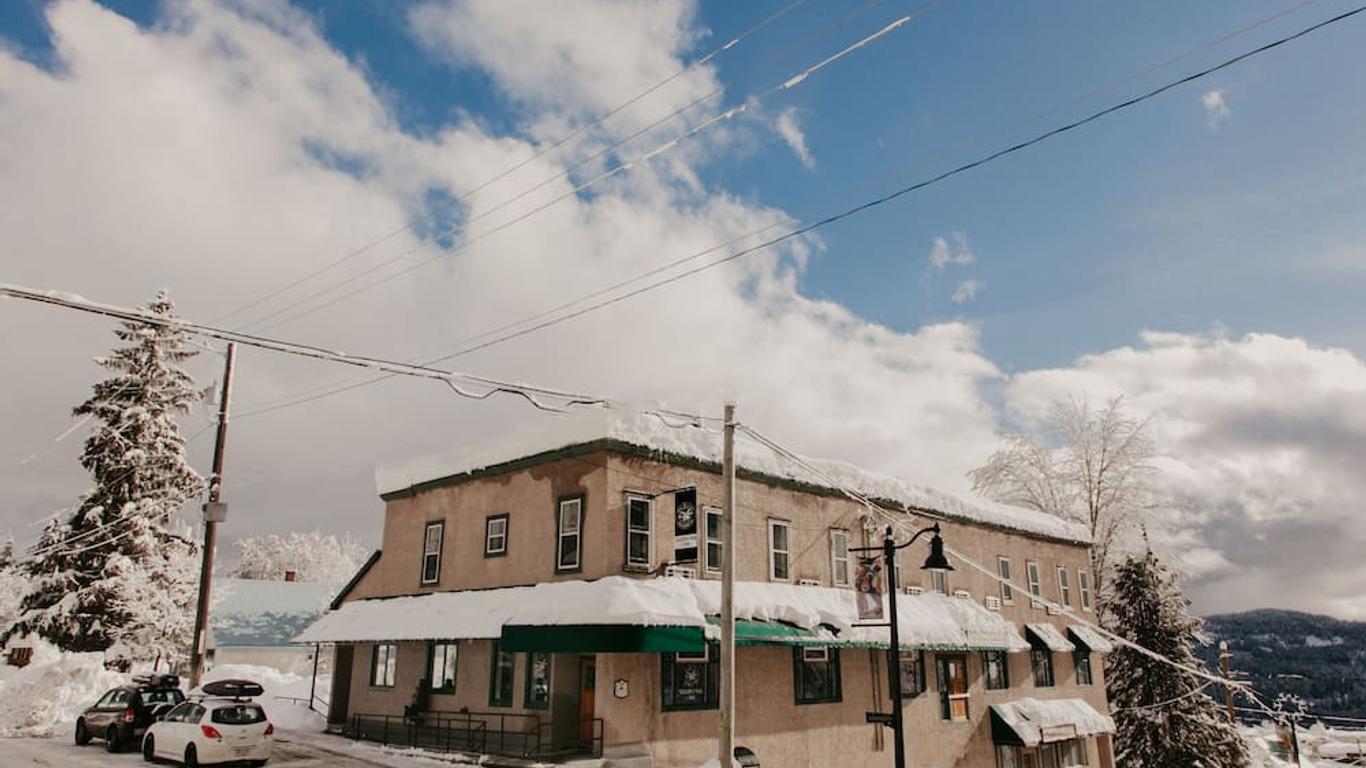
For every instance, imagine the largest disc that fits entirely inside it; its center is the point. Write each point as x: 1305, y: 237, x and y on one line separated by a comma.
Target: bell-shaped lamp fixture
x: 936, y: 561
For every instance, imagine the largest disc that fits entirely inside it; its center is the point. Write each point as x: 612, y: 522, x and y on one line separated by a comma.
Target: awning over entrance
x: 1090, y: 639
x: 1031, y: 722
x: 1049, y: 637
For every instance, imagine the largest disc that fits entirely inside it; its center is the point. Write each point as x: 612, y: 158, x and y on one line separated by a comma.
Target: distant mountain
x: 1319, y: 658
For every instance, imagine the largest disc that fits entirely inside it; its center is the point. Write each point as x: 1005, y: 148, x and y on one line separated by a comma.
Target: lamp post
x: 935, y: 562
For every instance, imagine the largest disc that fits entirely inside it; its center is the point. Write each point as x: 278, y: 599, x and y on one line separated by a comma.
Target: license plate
x: 241, y: 750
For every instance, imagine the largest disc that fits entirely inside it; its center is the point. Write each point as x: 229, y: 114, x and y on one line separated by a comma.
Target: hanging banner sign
x: 868, y: 589
x: 685, y: 526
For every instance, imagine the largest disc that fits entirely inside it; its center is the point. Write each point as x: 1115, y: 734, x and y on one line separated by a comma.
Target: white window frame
x: 812, y: 654
x: 1004, y: 569
x: 691, y: 657
x: 712, y: 564
x: 773, y: 552
x: 1084, y: 588
x: 1064, y: 587
x: 561, y: 534
x: 939, y: 582
x: 648, y: 531
x: 839, y: 562
x: 384, y: 665
x: 428, y: 552
x: 1035, y: 580
x: 489, y: 535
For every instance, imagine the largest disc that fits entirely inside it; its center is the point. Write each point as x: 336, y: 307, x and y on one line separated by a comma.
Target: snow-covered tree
x: 1162, y: 716
x: 313, y: 556
x: 11, y: 586
x: 1093, y: 466
x: 111, y: 574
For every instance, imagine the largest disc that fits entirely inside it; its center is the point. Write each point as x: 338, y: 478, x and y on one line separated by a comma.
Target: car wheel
x: 111, y: 739
x: 191, y: 757
x: 82, y: 734
x: 149, y: 750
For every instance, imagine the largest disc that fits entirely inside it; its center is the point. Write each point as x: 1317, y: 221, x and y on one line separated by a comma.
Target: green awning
x: 749, y: 632
x: 601, y: 638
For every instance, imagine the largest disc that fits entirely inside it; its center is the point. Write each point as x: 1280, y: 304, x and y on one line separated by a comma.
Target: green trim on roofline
x: 632, y: 450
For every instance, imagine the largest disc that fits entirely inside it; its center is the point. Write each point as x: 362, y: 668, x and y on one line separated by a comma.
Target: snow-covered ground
x: 1319, y: 747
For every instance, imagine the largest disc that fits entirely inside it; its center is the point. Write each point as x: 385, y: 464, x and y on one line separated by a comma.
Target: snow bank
x: 46, y: 697
x: 285, y: 697
x: 650, y: 433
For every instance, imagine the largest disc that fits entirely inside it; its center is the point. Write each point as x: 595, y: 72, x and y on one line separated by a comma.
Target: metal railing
x: 495, y: 733
x: 318, y: 704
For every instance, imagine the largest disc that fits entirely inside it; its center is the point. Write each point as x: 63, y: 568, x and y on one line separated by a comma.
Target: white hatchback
x: 211, y: 730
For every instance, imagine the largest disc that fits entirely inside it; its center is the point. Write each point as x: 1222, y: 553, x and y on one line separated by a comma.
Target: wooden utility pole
x: 727, y: 735
x: 214, y: 513
x: 1228, y: 688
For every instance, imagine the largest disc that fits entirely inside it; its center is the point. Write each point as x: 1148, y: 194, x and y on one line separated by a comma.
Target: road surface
x: 291, y: 751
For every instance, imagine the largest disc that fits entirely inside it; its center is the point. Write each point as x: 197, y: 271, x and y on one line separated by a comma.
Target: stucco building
x: 558, y: 596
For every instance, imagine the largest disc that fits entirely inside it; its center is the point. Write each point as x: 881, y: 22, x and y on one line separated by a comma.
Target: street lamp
x: 935, y: 562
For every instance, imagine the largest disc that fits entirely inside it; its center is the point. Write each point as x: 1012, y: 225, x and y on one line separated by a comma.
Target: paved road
x: 291, y: 751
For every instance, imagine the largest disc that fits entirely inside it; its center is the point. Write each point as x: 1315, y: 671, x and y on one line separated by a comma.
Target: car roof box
x: 237, y: 689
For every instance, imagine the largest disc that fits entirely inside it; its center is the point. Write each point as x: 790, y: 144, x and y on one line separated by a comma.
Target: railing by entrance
x: 494, y: 733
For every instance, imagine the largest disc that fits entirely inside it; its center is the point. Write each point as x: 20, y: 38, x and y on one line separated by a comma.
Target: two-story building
x: 559, y: 595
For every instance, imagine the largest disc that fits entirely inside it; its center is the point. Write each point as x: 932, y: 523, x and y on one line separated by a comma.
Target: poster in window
x: 685, y: 526
x: 868, y: 589
x: 691, y: 685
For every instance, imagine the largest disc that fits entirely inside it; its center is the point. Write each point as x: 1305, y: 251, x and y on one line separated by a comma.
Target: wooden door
x: 339, y: 704
x: 588, y: 668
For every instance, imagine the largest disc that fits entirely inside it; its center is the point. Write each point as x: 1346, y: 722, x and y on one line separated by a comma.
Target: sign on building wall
x: 685, y: 526
x: 869, y: 588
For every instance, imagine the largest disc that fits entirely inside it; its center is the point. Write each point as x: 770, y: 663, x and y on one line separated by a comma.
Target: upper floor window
x: 383, y: 665
x: 690, y: 680
x: 1035, y: 583
x: 495, y: 535
x: 1042, y: 660
x: 779, y: 550
x: 1003, y: 570
x: 995, y: 670
x: 714, y: 543
x: 839, y: 557
x: 639, y: 531
x: 816, y: 675
x: 1081, y: 659
x: 1064, y: 587
x: 1084, y: 587
x: 444, y: 661
x: 953, y: 685
x: 431, y: 552
x: 939, y: 582
x: 537, y: 693
x: 504, y: 668
x: 569, y: 535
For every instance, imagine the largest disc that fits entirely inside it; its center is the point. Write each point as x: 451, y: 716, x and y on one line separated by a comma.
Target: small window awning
x: 1089, y: 639
x: 1031, y: 722
x: 1050, y: 637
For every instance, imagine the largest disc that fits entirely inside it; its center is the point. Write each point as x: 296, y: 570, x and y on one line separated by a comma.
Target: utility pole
x: 214, y: 513
x: 727, y: 726
x: 894, y: 650
x: 1228, y: 688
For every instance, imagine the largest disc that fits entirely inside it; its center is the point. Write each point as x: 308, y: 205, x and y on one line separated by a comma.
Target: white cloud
x: 953, y: 250
x: 966, y: 290
x: 789, y: 128
x: 1216, y: 109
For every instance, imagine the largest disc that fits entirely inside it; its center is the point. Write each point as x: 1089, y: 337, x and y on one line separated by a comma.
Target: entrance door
x: 340, y: 703
x: 588, y: 674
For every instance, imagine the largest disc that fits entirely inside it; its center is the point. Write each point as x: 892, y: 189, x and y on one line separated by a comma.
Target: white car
x: 211, y: 730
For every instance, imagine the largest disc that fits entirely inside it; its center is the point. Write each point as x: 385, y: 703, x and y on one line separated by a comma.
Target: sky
x: 1202, y: 253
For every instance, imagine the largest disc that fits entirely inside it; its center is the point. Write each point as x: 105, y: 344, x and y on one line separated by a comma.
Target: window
x: 816, y: 675
x: 839, y: 557
x: 1035, y: 583
x: 912, y: 673
x: 714, y: 543
x: 1084, y: 586
x: 1064, y: 587
x: 1042, y: 660
x: 779, y: 550
x: 383, y: 665
x: 995, y: 670
x: 939, y: 582
x: 1061, y: 754
x: 500, y: 677
x: 690, y: 680
x: 1003, y: 570
x: 444, y: 657
x: 953, y: 685
x: 569, y: 535
x: 1082, y: 660
x: 238, y: 714
x: 176, y: 715
x: 639, y: 531
x: 431, y: 552
x: 495, y: 535
x: 537, y: 693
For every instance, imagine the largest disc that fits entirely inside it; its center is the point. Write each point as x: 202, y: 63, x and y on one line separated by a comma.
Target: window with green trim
x: 816, y: 675
x: 569, y: 534
x: 690, y: 680
x: 383, y: 665
x: 537, y: 693
x: 504, y: 668
x: 444, y: 657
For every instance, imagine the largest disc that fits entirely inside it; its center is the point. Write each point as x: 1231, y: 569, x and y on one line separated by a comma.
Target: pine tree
x: 1163, y: 720
x: 103, y: 578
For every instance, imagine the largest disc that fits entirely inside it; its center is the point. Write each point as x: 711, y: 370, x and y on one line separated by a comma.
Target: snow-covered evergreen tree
x: 11, y: 586
x: 112, y: 574
x: 1163, y: 719
x: 313, y: 556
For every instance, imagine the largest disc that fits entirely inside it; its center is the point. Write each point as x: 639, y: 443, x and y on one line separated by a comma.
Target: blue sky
x: 221, y: 149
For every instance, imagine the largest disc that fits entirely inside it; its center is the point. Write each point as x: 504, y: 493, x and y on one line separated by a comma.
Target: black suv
x: 123, y: 714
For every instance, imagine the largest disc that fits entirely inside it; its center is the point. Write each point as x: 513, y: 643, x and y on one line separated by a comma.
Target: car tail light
x: 270, y: 728
x: 210, y: 732
x: 129, y: 715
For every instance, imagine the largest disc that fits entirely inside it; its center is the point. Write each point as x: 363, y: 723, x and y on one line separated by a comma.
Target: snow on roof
x: 1051, y: 636
x: 1030, y: 718
x: 257, y: 612
x: 1091, y: 638
x: 652, y: 434
x: 927, y: 621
